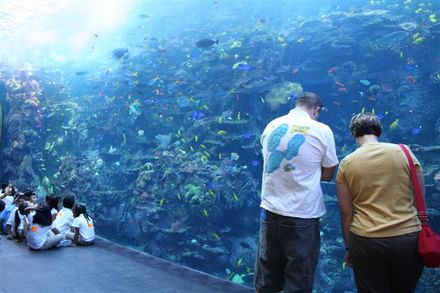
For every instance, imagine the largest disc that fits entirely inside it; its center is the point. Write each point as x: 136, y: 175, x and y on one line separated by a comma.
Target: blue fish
x: 293, y: 97
x: 195, y: 54
x: 212, y: 185
x: 247, y: 135
x: 416, y: 130
x: 244, y: 67
x: 196, y: 115
x: 410, y: 67
x: 255, y: 163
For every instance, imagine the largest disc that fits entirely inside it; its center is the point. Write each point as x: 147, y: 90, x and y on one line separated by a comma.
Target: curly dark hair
x: 365, y: 123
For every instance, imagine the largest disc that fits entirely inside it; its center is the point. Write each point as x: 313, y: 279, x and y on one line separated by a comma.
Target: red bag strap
x: 416, y: 186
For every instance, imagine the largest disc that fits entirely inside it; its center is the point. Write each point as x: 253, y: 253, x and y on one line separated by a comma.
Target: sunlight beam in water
x: 36, y: 31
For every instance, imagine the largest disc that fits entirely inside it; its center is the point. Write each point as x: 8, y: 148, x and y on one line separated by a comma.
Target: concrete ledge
x: 103, y: 267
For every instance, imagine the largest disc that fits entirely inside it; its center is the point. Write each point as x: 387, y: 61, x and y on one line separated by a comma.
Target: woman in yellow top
x: 378, y: 217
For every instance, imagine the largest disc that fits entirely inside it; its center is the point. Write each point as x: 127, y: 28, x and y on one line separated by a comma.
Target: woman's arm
x: 422, y: 187
x: 346, y: 212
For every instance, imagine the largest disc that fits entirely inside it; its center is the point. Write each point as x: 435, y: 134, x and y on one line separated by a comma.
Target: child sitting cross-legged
x: 84, y: 231
x: 37, y: 235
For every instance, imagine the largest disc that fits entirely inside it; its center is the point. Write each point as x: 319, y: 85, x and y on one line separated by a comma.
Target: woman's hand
x: 347, y: 259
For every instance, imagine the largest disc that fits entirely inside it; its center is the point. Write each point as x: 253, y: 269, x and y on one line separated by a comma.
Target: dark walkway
x: 104, y: 267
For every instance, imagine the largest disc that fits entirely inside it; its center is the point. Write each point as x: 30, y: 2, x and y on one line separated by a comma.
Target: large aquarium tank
x: 150, y: 112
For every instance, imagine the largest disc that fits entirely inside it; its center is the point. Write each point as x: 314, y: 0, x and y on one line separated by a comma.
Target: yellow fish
x: 281, y: 40
x: 418, y: 40
x: 205, y: 213
x: 235, y: 196
x: 344, y: 148
x: 236, y: 44
x: 262, y: 99
x: 162, y: 201
x: 215, y: 236
x: 196, y: 138
x: 178, y: 196
x: 418, y: 11
x: 221, y: 132
x: 203, y: 146
x: 238, y: 116
x: 191, y: 148
x: 239, y: 262
x: 212, y: 193
x: 394, y: 124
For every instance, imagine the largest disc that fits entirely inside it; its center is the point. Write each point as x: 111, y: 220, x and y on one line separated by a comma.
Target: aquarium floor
x: 103, y: 267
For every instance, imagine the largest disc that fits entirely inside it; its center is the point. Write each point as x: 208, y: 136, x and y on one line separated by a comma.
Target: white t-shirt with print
x: 294, y: 148
x: 63, y: 221
x: 37, y: 235
x: 86, y: 229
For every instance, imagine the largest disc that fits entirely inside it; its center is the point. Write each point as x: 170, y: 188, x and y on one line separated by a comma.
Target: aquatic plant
x: 282, y: 94
x: 194, y: 194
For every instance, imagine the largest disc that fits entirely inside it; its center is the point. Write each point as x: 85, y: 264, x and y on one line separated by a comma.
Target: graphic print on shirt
x: 276, y: 156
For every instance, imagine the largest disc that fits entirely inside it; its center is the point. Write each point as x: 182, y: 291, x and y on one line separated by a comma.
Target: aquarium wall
x: 155, y: 122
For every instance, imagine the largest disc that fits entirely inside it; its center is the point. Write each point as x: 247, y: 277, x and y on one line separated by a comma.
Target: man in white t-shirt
x: 298, y: 153
x: 64, y: 218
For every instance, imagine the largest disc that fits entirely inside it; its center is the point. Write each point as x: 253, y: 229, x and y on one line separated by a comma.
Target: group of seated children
x: 44, y: 226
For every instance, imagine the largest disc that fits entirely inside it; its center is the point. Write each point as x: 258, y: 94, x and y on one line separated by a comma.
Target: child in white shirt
x: 53, y: 201
x: 17, y: 223
x: 83, y: 226
x: 37, y: 235
x: 64, y: 218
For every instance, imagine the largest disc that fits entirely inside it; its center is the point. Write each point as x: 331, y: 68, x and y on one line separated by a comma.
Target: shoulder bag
x: 429, y: 241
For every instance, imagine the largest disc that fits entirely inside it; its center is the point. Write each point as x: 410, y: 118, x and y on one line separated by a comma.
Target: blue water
x: 115, y: 103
